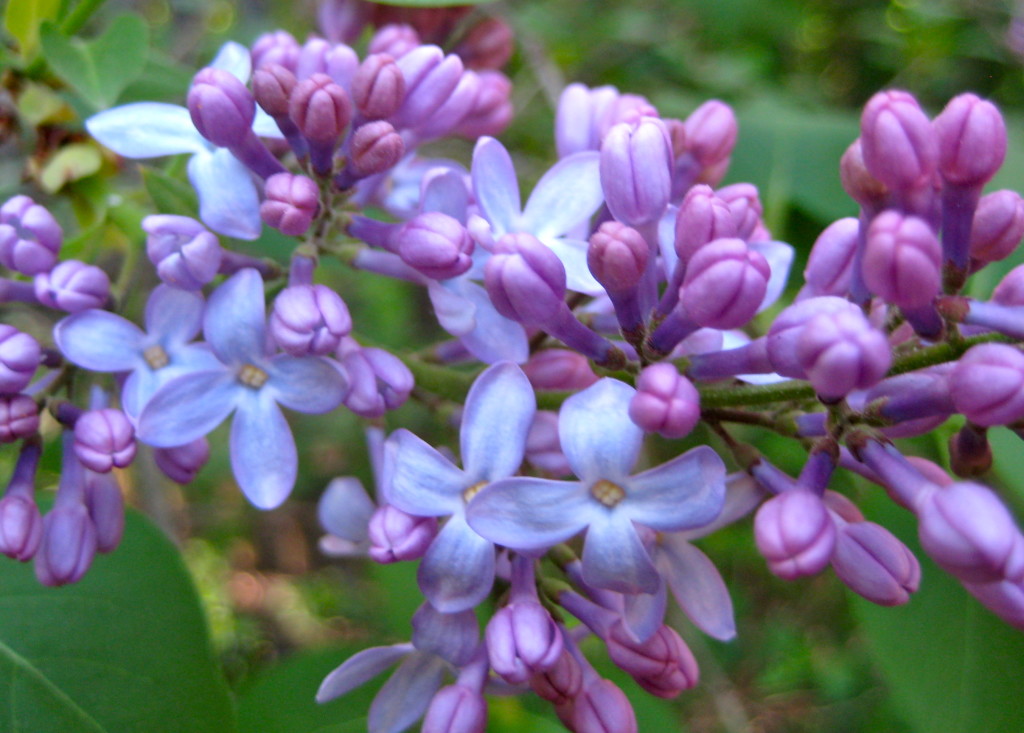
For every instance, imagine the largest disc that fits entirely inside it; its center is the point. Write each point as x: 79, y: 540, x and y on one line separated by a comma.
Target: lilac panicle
x: 185, y: 254
x: 30, y: 237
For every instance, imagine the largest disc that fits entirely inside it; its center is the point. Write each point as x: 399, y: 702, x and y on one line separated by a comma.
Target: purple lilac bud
x: 278, y: 47
x: 998, y: 226
x: 20, y: 523
x: 602, y: 707
x: 374, y: 147
x: 430, y: 78
x: 272, y: 87
x: 309, y: 320
x: 795, y: 534
x: 522, y: 641
x: 181, y: 463
x: 378, y: 380
x: 1004, y: 598
x: 321, y: 110
x: 104, y: 439
x: 186, y: 255
x: 436, y: 245
x: 543, y: 446
x: 73, y: 286
x: 617, y: 256
x: 636, y: 170
x: 702, y: 218
x: 874, y: 564
x: 899, y: 146
x: 744, y: 202
x: 396, y: 536
x: 378, y: 87
x: 559, y: 369
x: 663, y: 665
x: 987, y: 384
x: 576, y: 118
x: 915, y: 402
x: 488, y: 45
x: 971, y: 137
x: 106, y: 509
x: 561, y: 682
x: 492, y: 109
x: 665, y: 402
x: 525, y: 280
x: 711, y: 131
x: 1010, y: 290
x: 19, y: 357
x: 19, y: 417
x: 30, y: 237
x: 857, y: 181
x: 788, y: 327
x: 902, y: 260
x: 394, y: 39
x: 830, y: 264
x: 968, y: 531
x: 222, y: 108
x: 312, y: 58
x: 453, y: 110
x: 840, y: 352
x: 341, y: 63
x: 68, y: 542
x: 725, y: 284
x: 456, y: 709
x: 292, y: 202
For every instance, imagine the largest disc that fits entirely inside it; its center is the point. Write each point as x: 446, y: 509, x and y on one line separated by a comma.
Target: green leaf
x: 951, y: 665
x: 124, y: 650
x: 68, y: 164
x: 100, y: 69
x: 170, y: 195
x: 23, y: 18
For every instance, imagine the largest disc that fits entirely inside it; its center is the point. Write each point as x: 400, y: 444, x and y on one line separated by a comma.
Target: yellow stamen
x: 156, y: 357
x: 252, y: 376
x: 473, y: 491
x: 607, y: 493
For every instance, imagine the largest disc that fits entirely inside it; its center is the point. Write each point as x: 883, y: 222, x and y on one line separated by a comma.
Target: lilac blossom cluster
x: 623, y: 292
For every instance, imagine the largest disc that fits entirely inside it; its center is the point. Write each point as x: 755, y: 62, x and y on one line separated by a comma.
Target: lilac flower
x: 602, y: 444
x: 458, y: 569
x: 248, y: 381
x: 105, y: 342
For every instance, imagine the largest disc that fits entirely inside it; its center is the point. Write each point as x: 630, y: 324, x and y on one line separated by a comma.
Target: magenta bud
x: 795, y: 534
x: 312, y: 58
x: 998, y: 226
x: 20, y: 527
x: 309, y: 320
x: 968, y: 531
x: 292, y: 202
x: 222, y: 108
x: 561, y: 682
x: 711, y: 131
x: 488, y: 45
x: 663, y: 665
x: 19, y: 415
x: 375, y: 147
x: 19, y: 357
x: 30, y: 237
x: 104, y: 439
x: 971, y: 138
x: 702, y: 218
x: 899, y: 146
x: 186, y: 255
x: 181, y: 463
x: 987, y: 384
x: 525, y: 280
x: 456, y: 709
x: 396, y: 536
x: 559, y: 369
x: 636, y: 170
x: 430, y: 79
x: 744, y: 202
x: 902, y: 260
x: 492, y: 108
x: 543, y: 446
x: 73, y: 286
x: 278, y: 47
x: 272, y: 86
x: 1005, y: 598
x: 725, y: 284
x: 394, y: 39
x: 522, y: 640
x: 788, y: 327
x: 320, y: 108
x: 67, y: 546
x: 378, y: 87
x: 665, y: 402
x: 602, y: 707
x: 106, y: 509
x: 617, y: 256
x: 437, y: 245
x: 857, y: 181
x: 841, y: 351
x: 874, y: 564
x: 830, y: 264
x: 378, y: 381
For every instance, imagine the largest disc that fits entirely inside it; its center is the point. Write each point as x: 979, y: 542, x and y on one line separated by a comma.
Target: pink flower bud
x: 840, y: 352
x: 971, y: 138
x: 222, y: 108
x: 857, y: 181
x: 602, y: 707
x: 525, y: 280
x: 899, y: 146
x: 375, y: 147
x: 456, y: 709
x: 830, y: 264
x: 665, y: 402
x: 272, y: 87
x: 522, y: 641
x: 181, y: 463
x: 874, y: 564
x: 617, y: 256
x: 663, y: 665
x: 561, y: 682
x: 396, y: 536
x: 19, y: 358
x: 437, y: 245
x: 725, y: 284
x: 702, y: 218
x: 795, y: 534
x: 185, y: 254
x: 104, y: 439
x: 987, y: 384
x: 902, y: 260
x: 19, y: 416
x: 636, y: 170
x: 711, y: 133
x: 378, y: 87
x: 309, y: 320
x: 292, y: 202
x: 998, y: 226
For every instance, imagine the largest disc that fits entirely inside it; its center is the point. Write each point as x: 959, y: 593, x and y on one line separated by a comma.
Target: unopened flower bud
x: 544, y: 447
x: 874, y: 564
x: 665, y: 402
x: 1010, y: 290
x: 636, y: 170
x: 30, y: 237
x: 795, y: 534
x: 492, y: 109
x: 278, y: 47
x: 181, y: 463
x: 378, y: 87
x: 744, y: 202
x: 898, y: 143
x: 20, y: 526
x: 292, y: 202
x: 602, y: 707
x: 309, y: 320
x: 375, y: 147
x: 830, y: 264
x: 702, y: 218
x: 430, y: 79
x: 1005, y: 598
x: 437, y: 245
x: 67, y: 546
x: 272, y: 87
x: 841, y: 351
x: 902, y: 260
x: 19, y: 415
x: 561, y: 682
x: 725, y: 284
x: 186, y: 255
x: 222, y: 108
x: 987, y: 384
x: 456, y: 709
x: 73, y: 286
x: 522, y: 640
x: 488, y: 45
x: 559, y: 369
x: 525, y: 280
x: 663, y: 665
x: 788, y: 326
x: 396, y: 536
x: 971, y: 137
x: 617, y: 256
x: 378, y: 381
x: 320, y: 108
x: 104, y: 439
x: 711, y: 133
x: 312, y: 58
x: 998, y: 226
x: 394, y: 39
x: 857, y: 181
x: 106, y: 509
x: 19, y: 357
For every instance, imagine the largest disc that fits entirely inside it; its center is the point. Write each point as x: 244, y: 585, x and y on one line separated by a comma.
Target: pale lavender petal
x: 568, y: 194
x: 174, y: 315
x: 345, y: 509
x: 305, y: 383
x: 742, y: 495
x: 228, y: 200
x: 597, y: 436
x: 458, y: 570
x: 687, y: 491
x: 453, y: 636
x: 235, y: 321
x: 498, y: 413
x: 405, y: 697
x: 644, y: 613
x: 492, y: 337
x: 263, y: 455
x: 235, y: 59
x: 697, y: 587
x: 667, y: 238
x: 359, y: 669
x: 147, y: 130
x: 454, y: 311
x: 614, y: 558
x: 780, y: 259
x: 444, y: 190
x: 531, y: 513
x: 143, y: 383
x: 265, y: 126
x: 496, y: 186
x: 423, y: 482
x: 100, y: 341
x: 187, y: 408
x: 573, y: 255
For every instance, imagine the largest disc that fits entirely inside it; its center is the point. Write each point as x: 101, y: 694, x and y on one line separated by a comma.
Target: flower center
x: 607, y: 493
x: 472, y: 491
x: 252, y: 376
x: 156, y: 357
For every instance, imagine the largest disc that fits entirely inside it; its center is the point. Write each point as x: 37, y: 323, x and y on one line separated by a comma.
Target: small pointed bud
x: 19, y: 414
x: 394, y: 39
x: 378, y: 381
x: 73, y: 286
x: 662, y: 664
x: 602, y: 707
x: 665, y: 402
x: 577, y: 115
x: 456, y: 709
x: 544, y: 447
x: 788, y: 326
x: 19, y: 358
x: 525, y: 280
x: 20, y: 526
x: 617, y: 256
x: 987, y: 384
x: 272, y: 87
x: 744, y: 202
x: 559, y: 369
x: 430, y: 79
x: 857, y: 181
x: 292, y: 202
x: 67, y: 546
x: 378, y: 87
x: 396, y: 536
x: 899, y: 146
x: 278, y: 47
x: 181, y: 463
x: 488, y: 45
x: 492, y: 109
x: 795, y: 534
x: 309, y: 320
x: 222, y: 108
x: 30, y: 237
x: 522, y: 641
x: 561, y: 682
x: 902, y: 260
x: 104, y: 439
x: 186, y: 255
x: 341, y: 63
x: 312, y: 58
x: 840, y: 352
x: 711, y: 132
x: 725, y: 283
x: 998, y: 226
x: 702, y: 218
x: 636, y: 170
x: 971, y: 137
x: 375, y: 147
x: 874, y: 564
x: 436, y: 245
x: 830, y: 264
x: 106, y: 509
x: 320, y: 108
